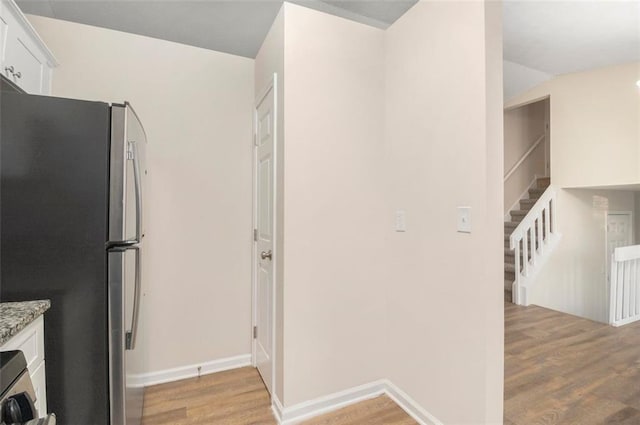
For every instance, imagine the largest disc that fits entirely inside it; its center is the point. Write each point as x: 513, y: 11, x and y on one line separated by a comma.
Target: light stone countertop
x: 16, y: 316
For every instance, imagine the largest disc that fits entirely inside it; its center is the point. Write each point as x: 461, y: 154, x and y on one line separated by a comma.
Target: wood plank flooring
x: 564, y: 370
x: 238, y: 397
x: 559, y: 370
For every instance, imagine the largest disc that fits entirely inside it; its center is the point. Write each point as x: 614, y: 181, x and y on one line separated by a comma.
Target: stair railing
x: 624, y: 290
x: 533, y: 240
x: 523, y: 157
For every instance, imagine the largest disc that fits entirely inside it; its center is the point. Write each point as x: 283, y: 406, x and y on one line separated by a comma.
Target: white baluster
x: 517, y: 273
x: 539, y: 237
x: 533, y: 239
x: 552, y: 205
x: 613, y: 293
x: 627, y: 289
x: 620, y: 290
x: 632, y: 288
x: 547, y: 221
x: 525, y: 254
x: 636, y: 274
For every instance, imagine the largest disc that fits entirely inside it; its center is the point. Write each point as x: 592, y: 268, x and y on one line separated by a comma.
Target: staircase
x: 517, y: 216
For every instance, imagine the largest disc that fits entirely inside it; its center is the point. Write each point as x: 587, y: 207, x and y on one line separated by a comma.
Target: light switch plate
x: 464, y: 219
x: 401, y: 221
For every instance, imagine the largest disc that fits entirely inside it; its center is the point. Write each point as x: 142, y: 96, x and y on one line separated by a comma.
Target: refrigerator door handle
x: 138, y: 187
x: 131, y: 336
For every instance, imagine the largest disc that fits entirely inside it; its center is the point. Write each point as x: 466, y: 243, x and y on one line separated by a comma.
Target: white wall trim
x: 410, y: 406
x: 191, y: 371
x: 329, y: 403
x: 277, y: 408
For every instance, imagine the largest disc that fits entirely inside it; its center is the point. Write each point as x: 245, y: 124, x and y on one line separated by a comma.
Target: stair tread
x: 519, y: 212
x: 509, y: 268
x: 508, y: 284
x: 536, y: 191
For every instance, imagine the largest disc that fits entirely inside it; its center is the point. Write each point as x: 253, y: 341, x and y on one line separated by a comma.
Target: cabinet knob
x: 9, y: 69
x: 18, y: 74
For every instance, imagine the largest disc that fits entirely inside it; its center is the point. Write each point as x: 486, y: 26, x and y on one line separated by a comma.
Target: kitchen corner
x: 22, y: 343
x: 16, y: 316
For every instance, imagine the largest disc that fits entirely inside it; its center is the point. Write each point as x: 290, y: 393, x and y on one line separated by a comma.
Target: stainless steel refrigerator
x: 72, y: 230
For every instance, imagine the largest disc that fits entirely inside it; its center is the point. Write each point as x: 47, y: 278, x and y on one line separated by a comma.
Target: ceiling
x: 559, y: 37
x: 542, y: 37
x: 232, y: 26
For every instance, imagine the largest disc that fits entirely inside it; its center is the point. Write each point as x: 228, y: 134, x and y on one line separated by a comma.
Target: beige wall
x: 595, y: 126
x: 270, y: 60
x: 574, y: 279
x: 195, y: 105
x: 335, y: 212
x: 371, y: 126
x: 444, y: 149
x: 522, y: 127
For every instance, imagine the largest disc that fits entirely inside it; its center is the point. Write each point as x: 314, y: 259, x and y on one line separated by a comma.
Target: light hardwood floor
x: 564, y: 370
x: 238, y: 397
x: 559, y: 370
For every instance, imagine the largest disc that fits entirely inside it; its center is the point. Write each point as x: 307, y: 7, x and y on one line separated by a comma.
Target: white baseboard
x: 277, y: 408
x: 410, y: 406
x: 191, y: 371
x: 322, y: 405
x: 301, y: 411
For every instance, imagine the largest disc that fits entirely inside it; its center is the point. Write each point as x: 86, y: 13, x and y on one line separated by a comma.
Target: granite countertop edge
x: 15, y: 316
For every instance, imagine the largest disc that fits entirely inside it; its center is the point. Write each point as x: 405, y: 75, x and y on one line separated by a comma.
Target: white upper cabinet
x: 24, y: 58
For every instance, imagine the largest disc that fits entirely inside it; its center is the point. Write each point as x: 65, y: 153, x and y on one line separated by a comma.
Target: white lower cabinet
x: 30, y: 341
x: 38, y: 378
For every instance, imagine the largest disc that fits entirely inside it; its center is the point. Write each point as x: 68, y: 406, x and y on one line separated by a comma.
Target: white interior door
x: 264, y: 230
x: 619, y: 233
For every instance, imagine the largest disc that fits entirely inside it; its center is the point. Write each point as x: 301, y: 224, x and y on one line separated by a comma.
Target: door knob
x: 265, y: 255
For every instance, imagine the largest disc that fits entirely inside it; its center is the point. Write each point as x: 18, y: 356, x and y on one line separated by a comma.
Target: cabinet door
x: 38, y: 379
x: 22, y: 57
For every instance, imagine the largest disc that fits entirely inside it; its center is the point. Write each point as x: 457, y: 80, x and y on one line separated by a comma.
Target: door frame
x: 272, y: 85
x: 606, y: 236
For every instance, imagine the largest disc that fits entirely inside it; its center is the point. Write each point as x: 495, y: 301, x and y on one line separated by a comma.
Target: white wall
x: 519, y: 78
x: 444, y: 149
x: 574, y: 279
x: 595, y: 126
x: 522, y: 127
x: 270, y: 60
x: 335, y: 212
x: 196, y: 107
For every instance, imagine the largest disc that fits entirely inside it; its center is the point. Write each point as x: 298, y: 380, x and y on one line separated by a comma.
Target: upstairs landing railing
x: 624, y: 290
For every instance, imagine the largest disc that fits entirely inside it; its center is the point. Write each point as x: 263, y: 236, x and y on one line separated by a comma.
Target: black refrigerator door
x: 53, y: 225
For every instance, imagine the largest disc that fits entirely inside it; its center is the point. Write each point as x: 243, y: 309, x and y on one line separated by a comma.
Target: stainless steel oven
x: 17, y: 397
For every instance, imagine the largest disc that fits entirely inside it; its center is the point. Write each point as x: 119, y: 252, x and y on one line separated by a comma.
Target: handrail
x: 523, y: 157
x: 529, y: 219
x: 533, y: 240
